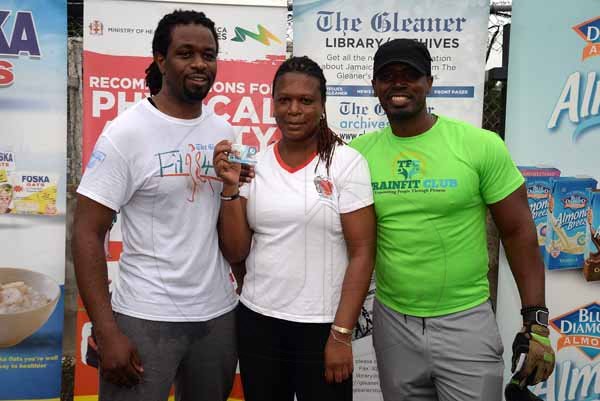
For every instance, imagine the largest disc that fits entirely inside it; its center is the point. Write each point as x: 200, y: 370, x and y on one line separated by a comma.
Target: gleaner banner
x: 553, y: 119
x: 117, y: 50
x: 33, y: 152
x: 342, y: 36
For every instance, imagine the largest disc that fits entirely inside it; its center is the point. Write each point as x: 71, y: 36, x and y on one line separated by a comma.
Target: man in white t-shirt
x: 171, y: 319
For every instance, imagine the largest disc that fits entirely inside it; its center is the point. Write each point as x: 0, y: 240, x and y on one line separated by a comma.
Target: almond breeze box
x: 537, y: 182
x: 591, y: 266
x: 7, y: 165
x: 567, y: 221
x: 34, y: 193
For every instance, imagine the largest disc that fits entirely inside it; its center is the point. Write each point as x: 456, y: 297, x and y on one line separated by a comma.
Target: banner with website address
x: 117, y: 50
x: 553, y: 122
x: 33, y: 152
x: 342, y: 36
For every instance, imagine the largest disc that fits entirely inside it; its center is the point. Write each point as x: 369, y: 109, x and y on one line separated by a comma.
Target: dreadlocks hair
x: 162, y: 40
x: 327, y: 140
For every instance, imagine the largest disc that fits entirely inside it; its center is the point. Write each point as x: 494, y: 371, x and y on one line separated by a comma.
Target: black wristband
x: 535, y: 315
x: 230, y: 198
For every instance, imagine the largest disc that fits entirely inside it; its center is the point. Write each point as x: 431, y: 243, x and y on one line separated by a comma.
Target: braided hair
x: 162, y: 40
x: 327, y: 140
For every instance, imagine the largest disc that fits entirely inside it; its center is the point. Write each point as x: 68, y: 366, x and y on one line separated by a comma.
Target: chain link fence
x: 494, y: 108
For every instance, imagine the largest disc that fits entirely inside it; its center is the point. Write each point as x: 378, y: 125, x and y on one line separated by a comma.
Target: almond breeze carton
x: 591, y: 266
x: 567, y: 221
x: 537, y: 182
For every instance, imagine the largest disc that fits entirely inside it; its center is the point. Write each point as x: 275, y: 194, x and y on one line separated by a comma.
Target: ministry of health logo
x: 580, y: 328
x: 263, y: 36
x: 590, y: 32
x: 96, y: 28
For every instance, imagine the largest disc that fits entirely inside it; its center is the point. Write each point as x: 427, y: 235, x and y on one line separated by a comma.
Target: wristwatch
x: 535, y: 315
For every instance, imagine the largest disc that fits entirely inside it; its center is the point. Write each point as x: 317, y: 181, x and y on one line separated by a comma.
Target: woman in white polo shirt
x: 305, y: 226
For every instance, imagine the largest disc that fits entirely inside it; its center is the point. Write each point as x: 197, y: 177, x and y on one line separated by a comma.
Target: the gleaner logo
x: 590, y: 32
x: 580, y: 328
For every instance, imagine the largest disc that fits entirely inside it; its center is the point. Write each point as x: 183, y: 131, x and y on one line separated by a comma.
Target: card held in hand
x: 243, y: 154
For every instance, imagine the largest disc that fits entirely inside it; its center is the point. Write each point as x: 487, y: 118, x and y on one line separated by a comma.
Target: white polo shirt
x: 298, y: 256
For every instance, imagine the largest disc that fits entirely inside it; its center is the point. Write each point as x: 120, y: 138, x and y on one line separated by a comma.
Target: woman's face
x: 298, y: 106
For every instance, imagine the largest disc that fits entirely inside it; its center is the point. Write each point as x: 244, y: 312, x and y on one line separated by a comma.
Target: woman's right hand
x: 227, y: 171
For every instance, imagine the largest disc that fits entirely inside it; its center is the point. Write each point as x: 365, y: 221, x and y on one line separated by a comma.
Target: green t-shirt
x: 431, y: 192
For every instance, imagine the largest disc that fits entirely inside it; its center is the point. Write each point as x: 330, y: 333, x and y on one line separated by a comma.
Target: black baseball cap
x: 407, y: 51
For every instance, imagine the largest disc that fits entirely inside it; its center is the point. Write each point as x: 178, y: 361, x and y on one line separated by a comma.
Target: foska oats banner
x: 33, y: 154
x: 553, y: 131
x: 118, y: 49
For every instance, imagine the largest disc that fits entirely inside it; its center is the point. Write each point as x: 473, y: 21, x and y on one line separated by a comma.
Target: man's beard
x: 399, y: 115
x: 196, y: 95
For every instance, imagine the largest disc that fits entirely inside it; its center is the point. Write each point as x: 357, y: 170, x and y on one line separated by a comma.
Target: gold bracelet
x: 341, y: 330
x: 339, y: 340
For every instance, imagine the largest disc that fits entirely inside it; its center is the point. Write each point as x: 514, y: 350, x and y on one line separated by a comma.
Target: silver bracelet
x: 339, y: 340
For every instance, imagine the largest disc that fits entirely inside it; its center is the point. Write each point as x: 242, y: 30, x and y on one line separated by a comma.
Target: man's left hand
x: 533, y: 342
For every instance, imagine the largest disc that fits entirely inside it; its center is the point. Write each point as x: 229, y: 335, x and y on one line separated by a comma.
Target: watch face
x: 536, y: 317
x: 542, y: 317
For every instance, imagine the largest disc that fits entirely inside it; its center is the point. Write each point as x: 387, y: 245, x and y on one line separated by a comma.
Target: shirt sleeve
x: 107, y: 178
x: 498, y: 174
x: 354, y: 185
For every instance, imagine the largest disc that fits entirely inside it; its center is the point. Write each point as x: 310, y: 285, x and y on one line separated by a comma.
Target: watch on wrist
x: 535, y: 315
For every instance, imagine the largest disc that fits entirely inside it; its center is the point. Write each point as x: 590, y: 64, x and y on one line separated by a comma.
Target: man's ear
x: 159, y: 59
x: 373, y: 85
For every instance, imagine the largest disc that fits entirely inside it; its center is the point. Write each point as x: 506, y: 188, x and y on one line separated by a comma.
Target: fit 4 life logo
x: 19, y: 39
x: 580, y: 328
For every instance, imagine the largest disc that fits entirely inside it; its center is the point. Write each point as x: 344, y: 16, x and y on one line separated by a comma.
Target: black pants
x: 280, y: 358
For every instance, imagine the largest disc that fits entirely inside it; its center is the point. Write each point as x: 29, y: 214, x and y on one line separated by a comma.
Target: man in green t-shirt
x: 433, y: 180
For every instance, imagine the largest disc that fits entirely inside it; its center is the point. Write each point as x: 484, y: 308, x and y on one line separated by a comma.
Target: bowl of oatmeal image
x: 27, y: 299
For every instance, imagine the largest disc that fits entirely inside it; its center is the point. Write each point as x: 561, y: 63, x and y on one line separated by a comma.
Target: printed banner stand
x: 33, y: 55
x: 553, y: 120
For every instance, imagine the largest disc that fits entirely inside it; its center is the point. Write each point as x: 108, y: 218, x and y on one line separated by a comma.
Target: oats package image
x: 7, y: 165
x: 34, y: 193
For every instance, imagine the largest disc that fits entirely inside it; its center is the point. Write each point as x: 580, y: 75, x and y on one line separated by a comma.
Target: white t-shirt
x: 298, y: 256
x: 157, y: 171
